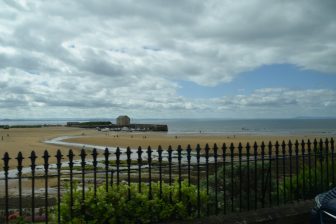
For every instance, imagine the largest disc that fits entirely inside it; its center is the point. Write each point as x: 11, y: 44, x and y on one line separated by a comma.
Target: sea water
x: 249, y: 126
x: 216, y: 126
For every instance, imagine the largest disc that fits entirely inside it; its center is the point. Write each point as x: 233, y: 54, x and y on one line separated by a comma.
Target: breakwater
x: 142, y: 127
x: 115, y: 127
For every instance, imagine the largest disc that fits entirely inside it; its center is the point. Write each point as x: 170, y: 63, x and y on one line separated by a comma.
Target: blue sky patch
x: 268, y: 76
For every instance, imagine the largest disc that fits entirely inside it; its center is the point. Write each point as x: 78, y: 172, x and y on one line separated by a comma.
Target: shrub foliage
x: 114, y: 205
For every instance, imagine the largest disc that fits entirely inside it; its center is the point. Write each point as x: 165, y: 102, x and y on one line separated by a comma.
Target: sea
x: 214, y: 126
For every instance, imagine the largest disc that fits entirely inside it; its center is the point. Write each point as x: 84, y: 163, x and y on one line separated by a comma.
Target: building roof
x: 123, y: 116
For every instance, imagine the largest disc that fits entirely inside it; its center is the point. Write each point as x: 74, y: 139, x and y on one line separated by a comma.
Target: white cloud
x: 59, y: 57
x: 280, y: 102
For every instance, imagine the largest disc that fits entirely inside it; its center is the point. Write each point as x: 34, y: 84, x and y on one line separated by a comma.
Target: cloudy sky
x: 167, y: 59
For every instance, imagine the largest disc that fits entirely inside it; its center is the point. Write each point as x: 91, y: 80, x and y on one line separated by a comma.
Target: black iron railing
x: 234, y: 178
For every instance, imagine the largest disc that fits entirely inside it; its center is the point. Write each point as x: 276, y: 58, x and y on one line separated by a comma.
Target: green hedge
x: 114, y: 207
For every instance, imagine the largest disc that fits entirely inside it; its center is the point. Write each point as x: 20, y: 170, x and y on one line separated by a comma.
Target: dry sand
x: 28, y: 139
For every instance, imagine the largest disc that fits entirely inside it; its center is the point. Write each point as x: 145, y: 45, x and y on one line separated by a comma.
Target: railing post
x: 255, y: 151
x: 321, y: 165
x: 59, y: 157
x: 198, y: 156
x: 189, y: 174
x: 240, y: 147
x: 128, y: 153
x: 6, y: 159
x: 33, y: 166
x: 232, y: 176
x: 290, y: 171
x: 248, y: 147
x: 118, y: 153
x: 46, y: 167
x: 179, y: 157
x: 315, y: 165
x: 170, y: 150
x: 270, y: 173
x: 303, y: 169
x: 283, y: 147
x: 326, y: 143
x: 277, y: 145
x: 19, y: 159
x: 149, y: 153
x: 215, y: 150
x: 139, y: 167
x: 160, y: 168
x: 309, y: 165
x: 263, y: 189
x: 224, y: 176
x: 188, y: 159
x: 71, y: 163
x: 83, y: 163
x: 207, y: 148
x: 297, y: 169
x: 106, y: 155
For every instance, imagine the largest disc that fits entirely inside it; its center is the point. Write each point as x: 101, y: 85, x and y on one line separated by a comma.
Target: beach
x: 28, y: 139
x: 25, y: 140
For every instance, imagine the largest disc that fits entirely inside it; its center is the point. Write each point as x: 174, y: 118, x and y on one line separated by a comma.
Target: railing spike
x: 160, y: 169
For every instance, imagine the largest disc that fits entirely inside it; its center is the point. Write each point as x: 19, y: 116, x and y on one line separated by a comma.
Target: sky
x: 167, y: 59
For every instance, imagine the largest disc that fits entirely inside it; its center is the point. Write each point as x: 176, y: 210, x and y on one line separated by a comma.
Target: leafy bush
x: 302, y: 186
x: 310, y: 181
x: 114, y: 207
x: 234, y: 189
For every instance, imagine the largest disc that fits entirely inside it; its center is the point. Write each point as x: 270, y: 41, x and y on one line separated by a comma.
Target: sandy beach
x: 28, y: 139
